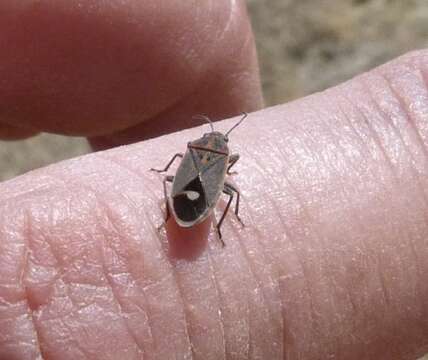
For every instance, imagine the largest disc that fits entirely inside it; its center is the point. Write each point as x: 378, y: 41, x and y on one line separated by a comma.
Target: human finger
x: 331, y: 262
x: 120, y: 71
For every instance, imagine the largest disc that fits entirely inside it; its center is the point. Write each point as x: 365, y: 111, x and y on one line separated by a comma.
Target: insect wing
x: 212, y: 177
x: 186, y: 172
x: 200, y: 173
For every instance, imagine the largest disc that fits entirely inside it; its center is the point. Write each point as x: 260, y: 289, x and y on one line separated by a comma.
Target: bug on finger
x: 201, y: 179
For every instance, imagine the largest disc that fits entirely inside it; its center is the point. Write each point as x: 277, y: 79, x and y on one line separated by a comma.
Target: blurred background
x: 304, y: 46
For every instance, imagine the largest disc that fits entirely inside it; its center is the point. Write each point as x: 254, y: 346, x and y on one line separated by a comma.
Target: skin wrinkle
x: 27, y: 237
x: 241, y: 346
x: 391, y: 166
x: 273, y: 204
x: 406, y: 113
x: 407, y: 150
x: 30, y: 314
x: 144, y: 288
x: 286, y: 231
x: 147, y: 287
x: 306, y: 211
x: 244, y: 250
x: 171, y: 267
x: 340, y: 147
x: 394, y: 178
x: 83, y: 353
x: 253, y: 272
x: 186, y: 274
x: 138, y: 176
x: 220, y: 312
x: 404, y: 235
x: 24, y: 194
x: 317, y: 236
x: 408, y: 118
x: 249, y: 344
x: 300, y: 201
x: 34, y: 342
x: 62, y: 273
x: 108, y: 275
x: 398, y: 133
x: 374, y: 134
x: 383, y: 152
x: 263, y: 255
x: 352, y: 127
x: 408, y: 107
x: 196, y: 352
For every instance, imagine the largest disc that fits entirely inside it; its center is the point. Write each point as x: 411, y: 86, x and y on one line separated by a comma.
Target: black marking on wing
x: 190, y: 210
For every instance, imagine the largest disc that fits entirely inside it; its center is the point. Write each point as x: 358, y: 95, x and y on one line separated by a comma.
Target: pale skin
x: 333, y: 259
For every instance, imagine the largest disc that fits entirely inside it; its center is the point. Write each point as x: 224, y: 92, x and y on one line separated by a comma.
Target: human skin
x: 332, y: 261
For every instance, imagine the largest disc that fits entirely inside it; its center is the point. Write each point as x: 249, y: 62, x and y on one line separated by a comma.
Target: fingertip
x: 84, y: 79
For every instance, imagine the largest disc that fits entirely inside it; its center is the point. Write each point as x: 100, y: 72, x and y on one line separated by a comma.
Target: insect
x: 200, y: 179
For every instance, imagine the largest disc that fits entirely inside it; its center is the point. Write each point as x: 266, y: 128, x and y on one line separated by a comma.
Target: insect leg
x: 166, y: 179
x: 180, y: 155
x: 215, y: 223
x: 232, y: 188
x: 232, y: 161
x: 230, y: 193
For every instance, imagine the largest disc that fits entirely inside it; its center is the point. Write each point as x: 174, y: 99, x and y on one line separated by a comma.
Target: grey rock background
x: 304, y: 46
x: 17, y: 157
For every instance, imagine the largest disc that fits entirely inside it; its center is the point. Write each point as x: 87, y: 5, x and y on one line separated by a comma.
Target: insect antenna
x: 205, y: 118
x: 238, y: 123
